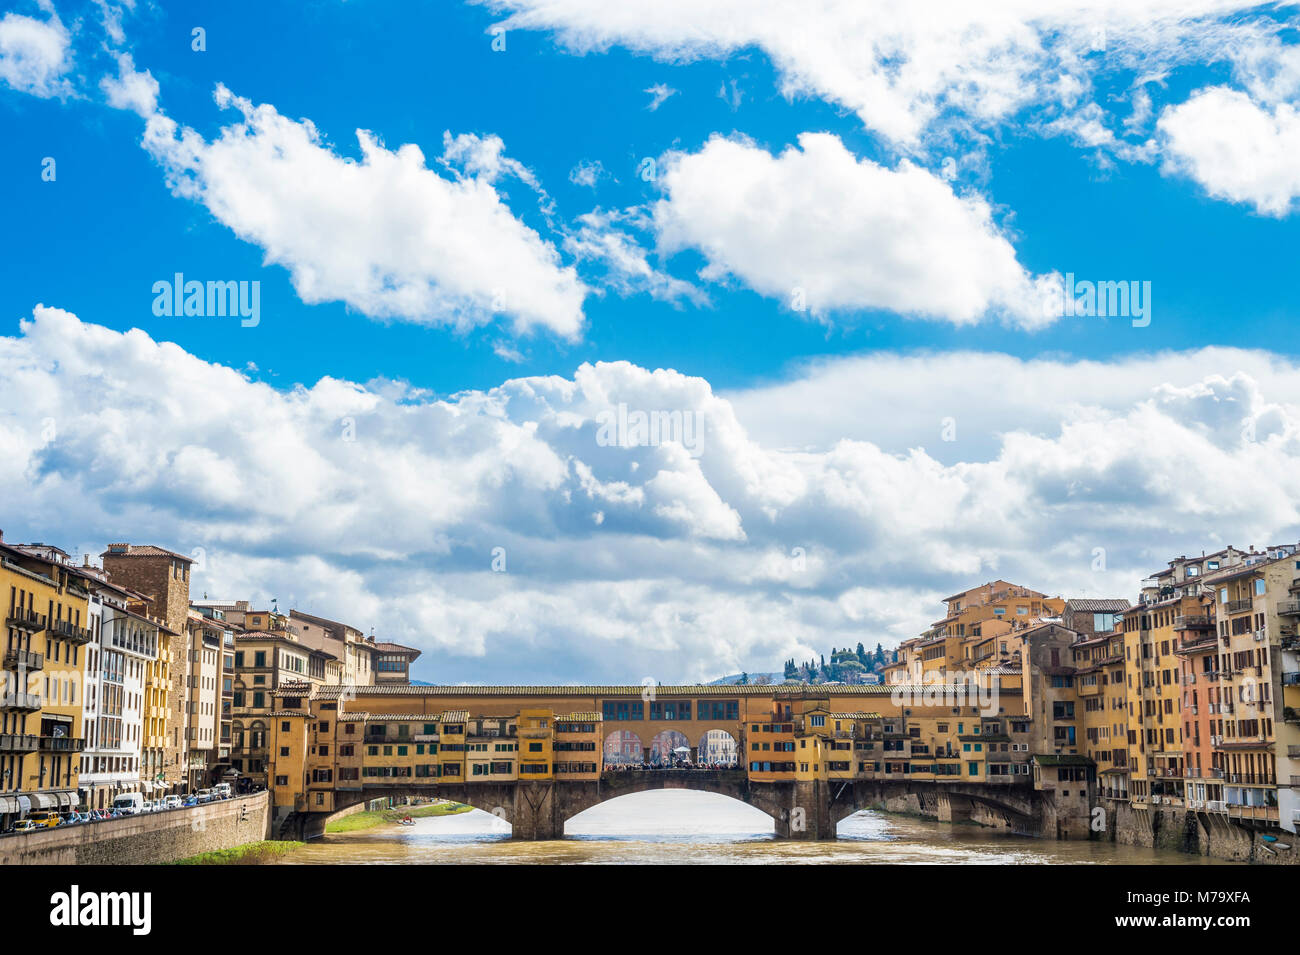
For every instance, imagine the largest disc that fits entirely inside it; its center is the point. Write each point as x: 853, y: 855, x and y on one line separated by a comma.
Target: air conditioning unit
x: 1216, y: 805
x: 1259, y: 636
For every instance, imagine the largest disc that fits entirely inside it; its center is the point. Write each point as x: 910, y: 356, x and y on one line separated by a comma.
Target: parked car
x: 98, y: 814
x: 190, y: 801
x: 46, y: 818
x: 173, y: 802
x: 129, y: 804
x: 28, y: 825
x: 69, y: 819
x: 222, y: 790
x: 206, y: 795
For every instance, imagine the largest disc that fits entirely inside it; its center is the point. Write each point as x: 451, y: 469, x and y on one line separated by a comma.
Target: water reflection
x: 680, y: 826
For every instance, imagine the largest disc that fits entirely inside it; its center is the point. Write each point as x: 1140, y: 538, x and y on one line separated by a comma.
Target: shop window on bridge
x: 719, y: 710
x: 322, y: 775
x: 534, y: 769
x: 423, y: 770
x: 349, y: 774
x: 623, y: 710
x: 671, y: 710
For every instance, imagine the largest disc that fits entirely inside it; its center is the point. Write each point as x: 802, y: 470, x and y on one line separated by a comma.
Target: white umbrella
x: 682, y: 749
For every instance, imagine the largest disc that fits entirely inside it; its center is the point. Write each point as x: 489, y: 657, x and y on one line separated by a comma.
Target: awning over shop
x: 67, y: 799
x: 43, y: 801
x: 8, y: 804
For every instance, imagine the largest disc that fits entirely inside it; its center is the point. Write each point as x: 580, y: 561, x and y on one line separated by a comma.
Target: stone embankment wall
x: 144, y: 839
x: 1196, y: 833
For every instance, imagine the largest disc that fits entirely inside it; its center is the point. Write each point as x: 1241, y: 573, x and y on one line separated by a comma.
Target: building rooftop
x: 143, y: 550
x: 1098, y: 605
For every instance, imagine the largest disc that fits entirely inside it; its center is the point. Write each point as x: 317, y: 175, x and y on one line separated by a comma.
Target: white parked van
x: 172, y: 802
x: 129, y: 804
x: 222, y: 790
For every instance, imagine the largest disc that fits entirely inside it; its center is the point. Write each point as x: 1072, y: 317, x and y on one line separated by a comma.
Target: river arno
x: 689, y: 827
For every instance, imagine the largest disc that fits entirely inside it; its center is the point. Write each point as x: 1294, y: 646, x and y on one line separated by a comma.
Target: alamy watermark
x: 621, y: 428
x: 1104, y: 299
x: 971, y: 688
x: 194, y: 299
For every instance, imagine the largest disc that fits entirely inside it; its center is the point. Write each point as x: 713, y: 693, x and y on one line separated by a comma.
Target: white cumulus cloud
x: 1235, y: 148
x: 386, y: 234
x: 35, y: 55
x: 623, y: 559
x: 820, y: 229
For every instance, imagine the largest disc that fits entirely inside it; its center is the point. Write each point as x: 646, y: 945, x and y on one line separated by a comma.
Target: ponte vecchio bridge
x: 538, y: 755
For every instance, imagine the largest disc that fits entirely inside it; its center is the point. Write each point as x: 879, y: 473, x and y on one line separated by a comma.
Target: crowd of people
x: 656, y: 765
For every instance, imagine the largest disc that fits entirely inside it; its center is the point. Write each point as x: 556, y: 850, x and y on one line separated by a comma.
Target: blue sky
x: 96, y: 239
x: 1162, y: 158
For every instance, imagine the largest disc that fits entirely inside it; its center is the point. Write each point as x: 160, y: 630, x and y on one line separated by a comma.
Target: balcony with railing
x: 23, y: 660
x: 1193, y: 621
x: 17, y: 743
x: 62, y: 744
x: 25, y: 619
x: 1260, y: 813
x: 69, y: 631
x: 1289, y: 608
x: 23, y: 702
x: 1238, y: 606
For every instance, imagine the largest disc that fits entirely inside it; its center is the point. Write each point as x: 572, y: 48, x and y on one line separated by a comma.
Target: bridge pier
x: 536, y: 813
x: 804, y: 811
x: 953, y: 808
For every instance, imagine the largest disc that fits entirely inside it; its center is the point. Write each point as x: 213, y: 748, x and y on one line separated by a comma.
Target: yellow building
x: 536, y: 744
x: 578, y: 749
x: 45, y: 617
x: 1102, y: 709
x: 1152, y: 637
x: 492, y: 750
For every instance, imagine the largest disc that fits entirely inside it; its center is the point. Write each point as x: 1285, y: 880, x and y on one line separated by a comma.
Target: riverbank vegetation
x: 253, y: 853
x: 368, y: 820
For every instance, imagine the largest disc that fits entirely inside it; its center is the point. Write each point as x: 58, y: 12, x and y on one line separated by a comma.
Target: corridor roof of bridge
x: 579, y: 718
x: 803, y: 691
x: 855, y: 716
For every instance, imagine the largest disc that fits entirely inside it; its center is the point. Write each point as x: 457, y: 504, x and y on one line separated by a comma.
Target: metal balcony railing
x: 23, y: 660
x: 26, y: 619
x: 20, y: 701
x: 17, y: 743
x: 70, y: 631
x: 62, y: 744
